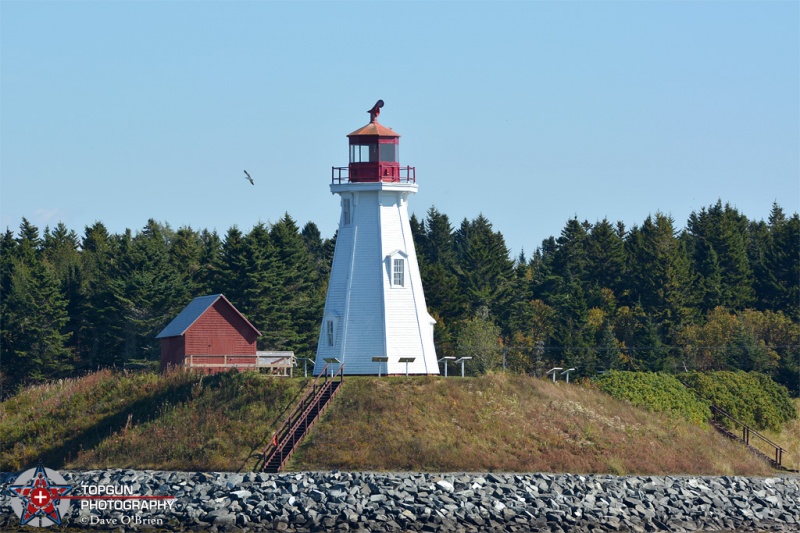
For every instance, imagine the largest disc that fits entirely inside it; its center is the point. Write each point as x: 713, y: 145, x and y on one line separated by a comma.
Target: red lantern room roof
x: 373, y: 128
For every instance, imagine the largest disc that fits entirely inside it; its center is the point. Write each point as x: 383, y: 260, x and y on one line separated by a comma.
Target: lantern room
x: 374, y: 151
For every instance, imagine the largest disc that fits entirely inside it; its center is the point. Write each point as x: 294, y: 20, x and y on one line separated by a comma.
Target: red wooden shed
x: 209, y: 335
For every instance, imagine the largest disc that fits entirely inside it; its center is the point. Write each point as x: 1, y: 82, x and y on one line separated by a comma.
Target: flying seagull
x: 247, y: 177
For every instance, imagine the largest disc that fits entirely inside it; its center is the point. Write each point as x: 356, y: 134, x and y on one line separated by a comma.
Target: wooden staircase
x: 718, y: 416
x: 309, y: 408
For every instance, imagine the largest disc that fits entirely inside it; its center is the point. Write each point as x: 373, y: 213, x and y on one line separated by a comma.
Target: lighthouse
x: 375, y: 319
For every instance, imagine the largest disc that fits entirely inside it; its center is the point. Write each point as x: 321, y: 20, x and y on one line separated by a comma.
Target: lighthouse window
x: 346, y: 211
x: 329, y: 331
x: 398, y: 271
x: 389, y: 152
x: 363, y: 153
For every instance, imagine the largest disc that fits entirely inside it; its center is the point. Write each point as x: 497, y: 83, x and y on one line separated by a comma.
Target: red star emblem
x: 40, y: 497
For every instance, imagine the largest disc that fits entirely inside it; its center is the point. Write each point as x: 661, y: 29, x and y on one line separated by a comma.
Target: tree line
x: 721, y: 294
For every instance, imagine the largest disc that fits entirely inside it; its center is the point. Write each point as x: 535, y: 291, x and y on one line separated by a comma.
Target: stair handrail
x: 300, y: 416
x: 291, y: 441
x: 281, y: 433
x: 747, y: 431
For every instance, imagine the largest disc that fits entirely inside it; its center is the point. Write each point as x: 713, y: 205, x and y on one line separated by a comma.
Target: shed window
x: 398, y: 273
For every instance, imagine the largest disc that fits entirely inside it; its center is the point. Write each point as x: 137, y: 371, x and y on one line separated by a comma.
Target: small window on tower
x: 398, y: 270
x: 329, y: 331
x: 346, y: 211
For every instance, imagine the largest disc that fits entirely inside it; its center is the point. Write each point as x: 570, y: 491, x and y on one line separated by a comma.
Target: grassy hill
x: 493, y: 423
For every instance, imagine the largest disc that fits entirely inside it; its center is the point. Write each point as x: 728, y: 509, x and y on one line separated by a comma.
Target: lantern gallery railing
x: 341, y: 175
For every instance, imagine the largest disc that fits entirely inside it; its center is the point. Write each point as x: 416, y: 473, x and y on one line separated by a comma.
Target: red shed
x: 209, y: 335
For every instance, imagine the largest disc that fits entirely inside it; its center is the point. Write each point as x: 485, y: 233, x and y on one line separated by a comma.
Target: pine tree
x: 147, y: 292
x: 300, y: 298
x: 258, y: 285
x: 185, y: 256
x: 208, y: 275
x: 231, y: 275
x: 35, y: 316
x: 723, y: 230
x: 782, y: 266
x: 436, y: 258
x: 605, y: 257
x: 483, y: 267
x: 660, y: 275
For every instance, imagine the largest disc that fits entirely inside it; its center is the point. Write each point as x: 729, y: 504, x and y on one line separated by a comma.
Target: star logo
x: 38, y: 495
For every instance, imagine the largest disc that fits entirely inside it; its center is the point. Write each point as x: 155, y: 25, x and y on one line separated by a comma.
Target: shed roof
x: 192, y: 312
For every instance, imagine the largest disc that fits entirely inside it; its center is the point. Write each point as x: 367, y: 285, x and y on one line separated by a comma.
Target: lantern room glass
x: 363, y: 153
x: 388, y: 152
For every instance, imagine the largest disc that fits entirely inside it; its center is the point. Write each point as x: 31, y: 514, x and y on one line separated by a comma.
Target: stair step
x: 311, y: 412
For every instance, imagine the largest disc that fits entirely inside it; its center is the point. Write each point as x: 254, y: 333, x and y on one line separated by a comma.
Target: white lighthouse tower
x: 375, y: 320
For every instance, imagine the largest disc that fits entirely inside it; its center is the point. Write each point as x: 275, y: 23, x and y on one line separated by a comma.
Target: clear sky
x: 528, y: 112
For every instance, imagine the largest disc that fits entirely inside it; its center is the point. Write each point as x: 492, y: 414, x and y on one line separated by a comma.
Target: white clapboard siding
x: 371, y: 316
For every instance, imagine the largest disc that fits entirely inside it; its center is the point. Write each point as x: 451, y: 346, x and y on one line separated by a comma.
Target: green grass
x: 509, y: 423
x: 497, y: 422
x: 144, y: 420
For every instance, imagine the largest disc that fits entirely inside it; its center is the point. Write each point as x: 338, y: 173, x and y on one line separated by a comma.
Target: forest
x: 722, y: 293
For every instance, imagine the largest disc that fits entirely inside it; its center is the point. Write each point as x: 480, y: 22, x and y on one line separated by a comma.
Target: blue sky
x: 528, y: 112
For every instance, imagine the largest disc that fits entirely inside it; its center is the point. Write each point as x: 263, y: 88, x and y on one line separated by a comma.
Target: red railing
x: 285, y: 440
x: 341, y: 175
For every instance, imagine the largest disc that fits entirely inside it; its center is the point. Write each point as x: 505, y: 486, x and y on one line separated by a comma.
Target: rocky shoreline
x: 371, y: 501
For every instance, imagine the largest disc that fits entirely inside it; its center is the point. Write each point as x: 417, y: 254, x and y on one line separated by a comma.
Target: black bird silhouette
x: 247, y: 177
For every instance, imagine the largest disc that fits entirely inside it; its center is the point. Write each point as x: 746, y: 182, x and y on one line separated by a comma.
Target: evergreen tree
x: 185, y: 251
x: 436, y: 257
x: 483, y: 267
x: 34, y: 320
x: 208, y: 276
x: 782, y: 264
x: 96, y: 317
x: 300, y: 298
x: 28, y: 242
x: 316, y: 248
x: 660, y: 275
x: 605, y: 257
x: 610, y: 356
x: 231, y: 275
x: 723, y: 230
x: 147, y: 292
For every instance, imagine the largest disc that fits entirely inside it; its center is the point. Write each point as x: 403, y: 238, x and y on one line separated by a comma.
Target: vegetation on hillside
x: 506, y: 422
x: 172, y: 421
x: 657, y: 392
x: 720, y: 294
x: 751, y: 398
x: 498, y: 422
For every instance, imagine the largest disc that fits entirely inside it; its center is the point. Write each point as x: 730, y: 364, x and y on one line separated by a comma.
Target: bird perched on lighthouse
x: 247, y: 177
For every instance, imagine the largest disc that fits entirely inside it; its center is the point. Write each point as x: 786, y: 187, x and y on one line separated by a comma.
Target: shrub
x: 752, y: 398
x: 656, y: 392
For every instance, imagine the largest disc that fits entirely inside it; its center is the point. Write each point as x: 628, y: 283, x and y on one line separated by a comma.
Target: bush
x: 656, y: 392
x: 752, y: 398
